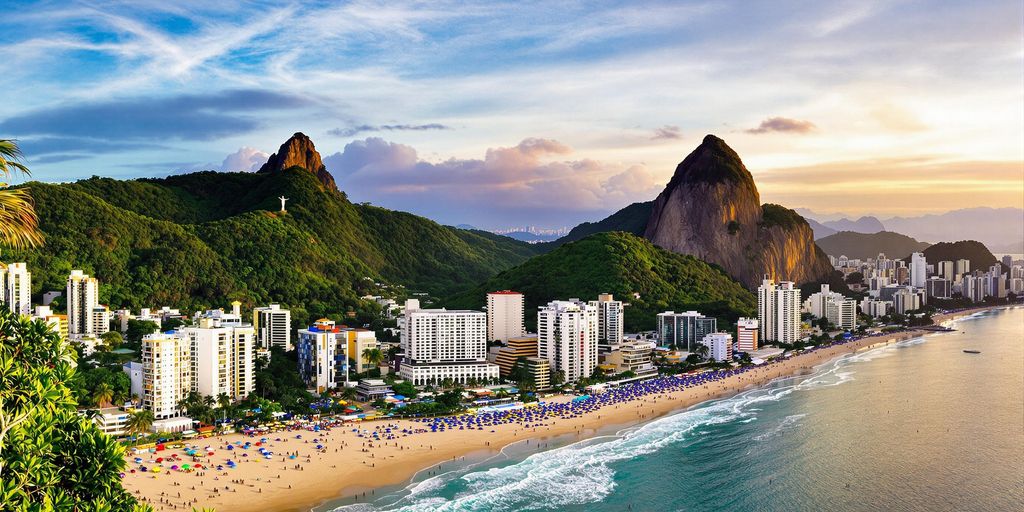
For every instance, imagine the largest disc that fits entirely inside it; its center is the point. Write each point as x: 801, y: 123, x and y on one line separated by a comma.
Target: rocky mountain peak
x: 299, y: 151
x: 711, y: 209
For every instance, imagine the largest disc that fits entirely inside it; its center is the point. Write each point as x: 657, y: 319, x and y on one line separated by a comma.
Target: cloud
x: 508, y: 183
x: 183, y: 117
x: 783, y: 124
x: 356, y: 130
x: 245, y: 159
x: 667, y: 132
x: 37, y: 146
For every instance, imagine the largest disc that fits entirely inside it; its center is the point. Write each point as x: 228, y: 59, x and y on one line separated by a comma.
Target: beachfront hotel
x: 16, y: 288
x: 684, y: 330
x: 567, y: 333
x: 504, y: 315
x: 273, y: 326
x: 441, y: 344
x: 719, y: 346
x: 746, y: 334
x: 778, y: 311
x: 222, y: 356
x: 522, y: 346
x: 166, y: 373
x: 609, y: 320
x: 321, y: 357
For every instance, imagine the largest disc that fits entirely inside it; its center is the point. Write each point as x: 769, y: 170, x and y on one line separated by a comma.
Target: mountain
x: 711, y: 209
x: 631, y: 219
x: 990, y: 226
x: 203, y: 239
x: 862, y: 246
x: 979, y: 255
x: 621, y: 264
x: 533, y: 238
x: 298, y: 151
x: 861, y: 225
x: 820, y: 230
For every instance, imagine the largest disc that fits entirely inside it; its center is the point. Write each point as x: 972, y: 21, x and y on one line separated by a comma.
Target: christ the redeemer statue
x: 283, y: 200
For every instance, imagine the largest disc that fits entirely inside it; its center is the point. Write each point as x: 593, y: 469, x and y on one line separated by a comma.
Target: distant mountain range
x: 1000, y: 228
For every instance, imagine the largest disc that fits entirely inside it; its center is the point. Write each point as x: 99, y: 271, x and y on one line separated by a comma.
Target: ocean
x: 915, y: 426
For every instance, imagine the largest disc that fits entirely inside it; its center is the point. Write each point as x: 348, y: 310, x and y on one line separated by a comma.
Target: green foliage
x: 621, y: 264
x: 50, y: 458
x: 631, y: 219
x: 405, y: 389
x: 774, y: 215
x: 979, y: 255
x: 199, y: 240
x: 278, y: 380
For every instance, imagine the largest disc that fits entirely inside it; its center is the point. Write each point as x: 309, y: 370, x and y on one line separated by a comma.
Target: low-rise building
x: 520, y: 346
x: 112, y: 421
x: 632, y: 356
x: 719, y: 346
x: 372, y: 389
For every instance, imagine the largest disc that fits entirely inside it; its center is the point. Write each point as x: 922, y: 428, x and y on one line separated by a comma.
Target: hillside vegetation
x: 622, y: 264
x: 862, y: 246
x: 203, y: 239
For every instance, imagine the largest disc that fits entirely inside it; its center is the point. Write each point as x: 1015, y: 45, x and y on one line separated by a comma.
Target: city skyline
x: 498, y: 116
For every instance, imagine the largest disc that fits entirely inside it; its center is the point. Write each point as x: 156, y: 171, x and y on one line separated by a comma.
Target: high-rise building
x: 875, y: 308
x: 222, y: 356
x: 778, y: 311
x: 906, y: 300
x: 746, y: 334
x: 719, y: 346
x: 567, y: 337
x: 504, y: 315
x: 841, y: 312
x: 441, y: 344
x: 609, y: 320
x: 273, y: 326
x: 515, y: 348
x: 962, y: 267
x: 1016, y: 271
x: 947, y: 270
x: 684, y: 330
x: 938, y: 287
x: 16, y: 288
x: 82, y: 303
x: 539, y: 371
x: 323, y: 361
x: 166, y: 373
x: 918, y: 270
x: 1007, y: 260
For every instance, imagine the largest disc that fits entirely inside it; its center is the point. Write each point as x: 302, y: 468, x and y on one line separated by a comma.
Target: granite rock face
x: 711, y: 209
x: 298, y: 151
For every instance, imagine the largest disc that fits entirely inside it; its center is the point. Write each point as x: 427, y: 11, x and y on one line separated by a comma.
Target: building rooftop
x: 504, y: 292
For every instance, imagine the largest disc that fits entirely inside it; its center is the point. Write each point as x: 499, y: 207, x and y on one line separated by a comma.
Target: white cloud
x: 245, y: 159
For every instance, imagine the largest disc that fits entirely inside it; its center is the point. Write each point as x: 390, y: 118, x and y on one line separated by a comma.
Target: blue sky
x: 546, y: 113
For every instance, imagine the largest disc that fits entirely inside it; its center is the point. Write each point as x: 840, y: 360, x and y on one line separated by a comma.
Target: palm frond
x: 10, y: 158
x: 19, y: 225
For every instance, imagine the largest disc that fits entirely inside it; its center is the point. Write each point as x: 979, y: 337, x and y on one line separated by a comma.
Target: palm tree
x: 374, y: 356
x: 119, y: 397
x: 19, y: 225
x: 139, y: 422
x: 102, y: 395
x: 701, y: 351
x: 224, y: 402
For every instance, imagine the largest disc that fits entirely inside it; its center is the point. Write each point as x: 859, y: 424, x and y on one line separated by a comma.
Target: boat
x: 972, y: 351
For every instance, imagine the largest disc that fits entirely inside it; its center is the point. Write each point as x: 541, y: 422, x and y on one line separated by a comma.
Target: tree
x: 139, y: 422
x: 558, y: 378
x: 702, y: 351
x: 19, y: 225
x: 112, y: 339
x: 50, y: 458
x: 102, y: 395
x: 374, y: 356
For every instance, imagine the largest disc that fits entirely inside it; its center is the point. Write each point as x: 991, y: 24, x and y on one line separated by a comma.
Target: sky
x: 500, y: 114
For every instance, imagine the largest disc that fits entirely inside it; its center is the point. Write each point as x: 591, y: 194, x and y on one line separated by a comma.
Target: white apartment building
x: 273, y: 327
x: 778, y: 311
x: 633, y: 356
x: 918, y: 270
x: 322, y: 360
x: 441, y: 344
x: 567, y: 334
x: 166, y: 373
x: 962, y: 267
x: 947, y: 271
x: 112, y: 421
x: 841, y: 313
x: 875, y: 308
x: 610, y: 318
x: 906, y: 300
x: 504, y: 315
x: 16, y: 288
x: 358, y: 341
x: 123, y: 316
x: 719, y: 346
x: 746, y: 334
x: 223, y: 357
x: 82, y: 302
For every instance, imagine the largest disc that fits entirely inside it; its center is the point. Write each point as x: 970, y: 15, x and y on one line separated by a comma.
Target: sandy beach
x: 348, y: 465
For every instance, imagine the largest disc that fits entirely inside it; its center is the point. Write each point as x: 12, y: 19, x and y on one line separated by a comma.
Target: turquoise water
x: 917, y: 426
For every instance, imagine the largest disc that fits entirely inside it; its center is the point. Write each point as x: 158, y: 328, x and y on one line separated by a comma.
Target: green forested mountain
x: 203, y: 239
x: 979, y: 255
x: 863, y: 245
x: 622, y: 264
x: 631, y: 219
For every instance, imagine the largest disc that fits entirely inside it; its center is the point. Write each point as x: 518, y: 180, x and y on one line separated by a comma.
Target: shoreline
x: 348, y: 465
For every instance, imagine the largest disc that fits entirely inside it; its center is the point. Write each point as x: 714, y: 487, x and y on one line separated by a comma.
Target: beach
x: 348, y: 465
